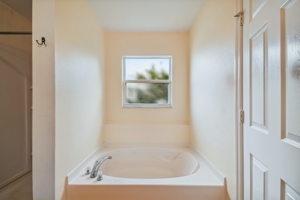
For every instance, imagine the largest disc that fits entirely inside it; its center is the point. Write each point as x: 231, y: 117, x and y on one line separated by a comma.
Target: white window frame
x: 146, y: 105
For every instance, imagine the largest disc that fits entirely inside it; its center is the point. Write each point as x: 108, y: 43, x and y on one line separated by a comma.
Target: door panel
x: 290, y: 26
x: 259, y: 179
x: 272, y: 99
x: 258, y: 79
x: 254, y: 8
x: 15, y: 116
x: 289, y: 193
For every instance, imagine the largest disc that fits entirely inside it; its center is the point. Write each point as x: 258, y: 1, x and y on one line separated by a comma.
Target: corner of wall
x: 43, y: 134
x: 79, y: 84
x: 212, y: 86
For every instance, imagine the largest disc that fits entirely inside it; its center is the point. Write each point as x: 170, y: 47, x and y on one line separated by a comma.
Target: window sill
x: 132, y: 105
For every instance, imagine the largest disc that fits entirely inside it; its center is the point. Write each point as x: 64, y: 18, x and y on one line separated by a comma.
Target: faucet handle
x: 87, y: 171
x: 100, y: 176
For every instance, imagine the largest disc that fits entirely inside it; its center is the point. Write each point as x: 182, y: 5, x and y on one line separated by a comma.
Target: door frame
x: 239, y: 103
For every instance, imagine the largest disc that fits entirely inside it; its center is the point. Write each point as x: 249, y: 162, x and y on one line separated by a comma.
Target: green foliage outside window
x: 151, y: 92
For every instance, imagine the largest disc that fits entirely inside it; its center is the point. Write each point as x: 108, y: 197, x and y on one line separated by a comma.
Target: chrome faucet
x: 97, y: 166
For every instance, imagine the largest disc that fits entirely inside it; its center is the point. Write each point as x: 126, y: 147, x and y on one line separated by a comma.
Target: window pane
x: 152, y: 93
x: 147, y: 68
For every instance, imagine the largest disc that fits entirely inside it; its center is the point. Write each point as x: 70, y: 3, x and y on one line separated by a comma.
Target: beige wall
x: 212, y: 86
x: 79, y: 86
x: 118, y: 44
x: 43, y: 101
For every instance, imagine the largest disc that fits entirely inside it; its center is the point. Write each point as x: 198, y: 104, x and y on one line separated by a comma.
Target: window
x: 147, y: 81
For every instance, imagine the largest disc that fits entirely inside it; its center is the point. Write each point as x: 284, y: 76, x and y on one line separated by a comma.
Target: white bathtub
x: 153, y: 163
x: 147, y: 174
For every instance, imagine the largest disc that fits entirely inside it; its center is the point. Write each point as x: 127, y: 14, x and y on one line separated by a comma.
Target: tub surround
x: 146, y: 134
x: 198, y: 182
x: 145, y: 192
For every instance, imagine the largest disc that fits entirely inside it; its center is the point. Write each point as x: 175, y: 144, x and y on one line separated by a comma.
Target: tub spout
x: 98, y: 164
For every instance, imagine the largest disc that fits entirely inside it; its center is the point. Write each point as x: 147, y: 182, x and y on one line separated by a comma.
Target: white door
x: 272, y: 100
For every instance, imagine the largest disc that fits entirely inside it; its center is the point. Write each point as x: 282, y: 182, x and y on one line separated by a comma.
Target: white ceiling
x: 146, y: 15
x: 24, y: 7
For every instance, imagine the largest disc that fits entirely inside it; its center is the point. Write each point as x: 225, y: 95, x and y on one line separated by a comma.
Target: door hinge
x: 240, y: 15
x: 242, y: 116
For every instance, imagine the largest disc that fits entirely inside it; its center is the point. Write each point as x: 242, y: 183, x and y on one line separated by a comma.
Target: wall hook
x: 41, y: 43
